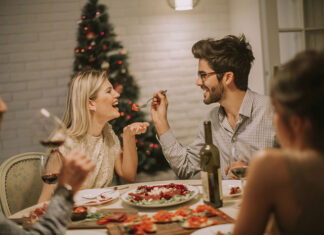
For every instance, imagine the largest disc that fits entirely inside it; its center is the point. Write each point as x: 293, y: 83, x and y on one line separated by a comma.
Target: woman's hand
x: 136, y: 128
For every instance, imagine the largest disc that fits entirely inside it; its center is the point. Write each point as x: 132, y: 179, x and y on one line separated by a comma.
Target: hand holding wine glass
x: 239, y: 161
x: 50, y: 131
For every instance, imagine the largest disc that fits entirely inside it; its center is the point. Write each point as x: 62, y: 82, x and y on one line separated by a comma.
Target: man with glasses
x: 240, y: 116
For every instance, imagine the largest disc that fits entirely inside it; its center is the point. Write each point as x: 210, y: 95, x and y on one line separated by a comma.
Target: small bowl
x: 79, y: 213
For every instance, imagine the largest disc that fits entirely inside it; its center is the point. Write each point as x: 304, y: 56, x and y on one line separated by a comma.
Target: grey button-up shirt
x: 253, y: 131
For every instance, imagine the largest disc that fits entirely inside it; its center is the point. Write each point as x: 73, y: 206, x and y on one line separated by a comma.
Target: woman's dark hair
x: 298, y: 86
x: 229, y: 54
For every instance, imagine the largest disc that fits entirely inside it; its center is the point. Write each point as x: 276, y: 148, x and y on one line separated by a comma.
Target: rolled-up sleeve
x: 184, y: 161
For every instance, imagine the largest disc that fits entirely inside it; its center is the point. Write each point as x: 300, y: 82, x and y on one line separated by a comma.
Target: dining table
x: 230, y: 206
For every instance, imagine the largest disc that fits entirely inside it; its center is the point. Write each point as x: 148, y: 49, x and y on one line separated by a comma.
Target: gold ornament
x: 105, y: 65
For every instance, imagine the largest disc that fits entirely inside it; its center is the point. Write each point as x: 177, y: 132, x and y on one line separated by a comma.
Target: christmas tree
x: 99, y: 48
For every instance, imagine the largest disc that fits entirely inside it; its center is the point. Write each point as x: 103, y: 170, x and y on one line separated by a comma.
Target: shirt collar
x: 246, y: 106
x: 245, y: 109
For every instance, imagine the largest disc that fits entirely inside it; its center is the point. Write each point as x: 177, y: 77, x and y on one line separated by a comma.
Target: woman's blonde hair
x: 84, y: 87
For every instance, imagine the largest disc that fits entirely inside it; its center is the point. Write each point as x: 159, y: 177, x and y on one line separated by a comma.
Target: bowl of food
x: 79, y: 213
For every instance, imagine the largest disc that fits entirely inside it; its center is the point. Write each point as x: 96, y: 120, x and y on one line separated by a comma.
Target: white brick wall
x: 37, y: 39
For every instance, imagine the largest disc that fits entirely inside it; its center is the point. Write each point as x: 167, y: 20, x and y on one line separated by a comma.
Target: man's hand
x: 159, y: 108
x: 75, y: 168
x: 235, y: 164
x: 136, y: 128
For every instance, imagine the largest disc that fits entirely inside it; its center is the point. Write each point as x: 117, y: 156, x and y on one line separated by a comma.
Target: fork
x: 148, y: 101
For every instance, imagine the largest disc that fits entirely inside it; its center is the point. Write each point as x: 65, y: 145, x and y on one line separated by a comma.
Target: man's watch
x: 65, y: 190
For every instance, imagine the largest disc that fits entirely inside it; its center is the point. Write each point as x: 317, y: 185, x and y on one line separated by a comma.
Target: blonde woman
x: 91, y: 103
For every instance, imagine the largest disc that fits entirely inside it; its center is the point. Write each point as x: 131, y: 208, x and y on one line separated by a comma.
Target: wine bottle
x: 210, y: 170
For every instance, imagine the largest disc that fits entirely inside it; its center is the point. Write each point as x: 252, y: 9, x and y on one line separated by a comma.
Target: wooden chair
x: 20, y: 182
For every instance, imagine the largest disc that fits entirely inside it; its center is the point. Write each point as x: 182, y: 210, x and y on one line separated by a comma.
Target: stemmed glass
x: 51, y: 132
x: 239, y: 160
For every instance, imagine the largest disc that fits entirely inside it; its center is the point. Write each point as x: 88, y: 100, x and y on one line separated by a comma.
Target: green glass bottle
x: 210, y: 170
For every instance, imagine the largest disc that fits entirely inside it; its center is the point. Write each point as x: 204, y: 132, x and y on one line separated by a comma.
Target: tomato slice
x: 135, y: 107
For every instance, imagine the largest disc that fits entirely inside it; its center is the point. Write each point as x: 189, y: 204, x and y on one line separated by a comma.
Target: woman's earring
x: 94, y: 109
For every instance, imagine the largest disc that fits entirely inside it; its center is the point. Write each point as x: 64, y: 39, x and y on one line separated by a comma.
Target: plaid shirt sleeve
x: 53, y: 222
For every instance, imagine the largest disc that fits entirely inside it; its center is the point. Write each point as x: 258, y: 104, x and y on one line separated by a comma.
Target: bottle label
x: 205, y: 186
x: 220, y: 185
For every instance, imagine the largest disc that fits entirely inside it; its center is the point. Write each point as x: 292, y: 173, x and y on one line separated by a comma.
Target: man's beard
x: 215, y: 94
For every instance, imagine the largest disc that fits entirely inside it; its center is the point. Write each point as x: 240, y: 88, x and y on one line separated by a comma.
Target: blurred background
x: 38, y: 39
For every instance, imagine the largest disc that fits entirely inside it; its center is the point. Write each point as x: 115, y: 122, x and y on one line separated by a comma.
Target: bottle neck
x: 208, y: 133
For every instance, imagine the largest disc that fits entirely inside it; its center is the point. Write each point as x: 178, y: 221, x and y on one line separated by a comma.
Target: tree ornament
x: 104, y: 47
x: 123, y: 70
x: 119, y: 88
x: 92, y: 59
x: 93, y: 43
x: 105, y: 65
x: 90, y: 35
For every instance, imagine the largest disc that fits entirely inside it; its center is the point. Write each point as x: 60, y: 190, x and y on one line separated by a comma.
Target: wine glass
x: 239, y: 160
x: 51, y: 132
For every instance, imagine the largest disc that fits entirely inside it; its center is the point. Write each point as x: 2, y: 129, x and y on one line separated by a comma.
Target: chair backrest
x: 20, y: 182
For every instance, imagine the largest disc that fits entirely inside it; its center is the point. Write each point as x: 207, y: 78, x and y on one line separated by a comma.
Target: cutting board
x: 169, y: 228
x: 93, y: 224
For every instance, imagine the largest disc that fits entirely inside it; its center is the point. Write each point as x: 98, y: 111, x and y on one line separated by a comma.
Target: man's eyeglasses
x: 204, y: 76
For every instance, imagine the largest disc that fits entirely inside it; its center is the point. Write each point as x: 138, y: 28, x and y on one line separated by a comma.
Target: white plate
x: 189, y: 187
x: 228, y: 184
x: 212, y: 230
x: 104, y: 195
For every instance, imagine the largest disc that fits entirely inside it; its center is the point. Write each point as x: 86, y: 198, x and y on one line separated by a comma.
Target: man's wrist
x: 65, y: 190
x: 161, y: 127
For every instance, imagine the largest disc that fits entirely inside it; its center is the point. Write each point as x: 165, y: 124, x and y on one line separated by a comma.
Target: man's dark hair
x: 229, y: 54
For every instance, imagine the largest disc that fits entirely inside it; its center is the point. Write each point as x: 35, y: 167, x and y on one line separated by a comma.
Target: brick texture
x: 37, y: 39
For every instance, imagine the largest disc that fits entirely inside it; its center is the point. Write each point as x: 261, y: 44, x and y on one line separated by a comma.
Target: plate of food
x: 93, y: 197
x: 160, y: 195
x: 232, y: 188
x: 222, y: 229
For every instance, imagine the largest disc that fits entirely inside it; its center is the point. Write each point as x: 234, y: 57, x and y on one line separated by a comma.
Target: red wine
x: 50, y: 178
x: 52, y: 143
x: 239, y: 171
